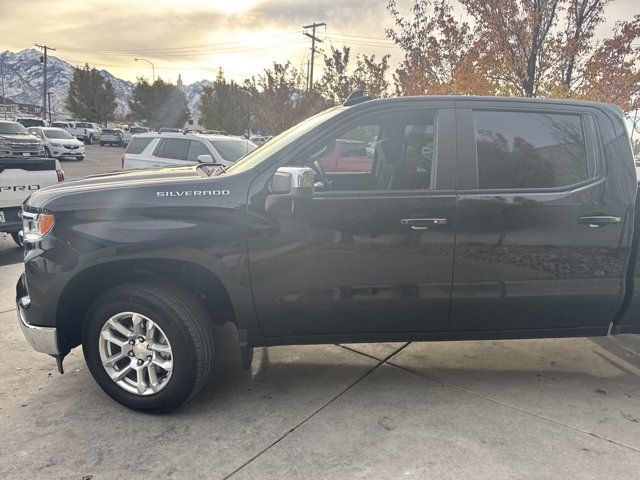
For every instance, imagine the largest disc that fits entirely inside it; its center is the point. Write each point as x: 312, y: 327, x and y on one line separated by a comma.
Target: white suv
x: 158, y: 150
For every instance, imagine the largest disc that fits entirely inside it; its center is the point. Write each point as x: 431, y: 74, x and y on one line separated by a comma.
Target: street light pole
x: 153, y: 68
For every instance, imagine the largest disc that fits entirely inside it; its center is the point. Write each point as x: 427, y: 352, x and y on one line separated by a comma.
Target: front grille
x: 24, y: 147
x: 71, y: 147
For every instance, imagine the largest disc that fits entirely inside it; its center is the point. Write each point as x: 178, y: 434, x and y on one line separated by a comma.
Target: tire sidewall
x: 183, y: 376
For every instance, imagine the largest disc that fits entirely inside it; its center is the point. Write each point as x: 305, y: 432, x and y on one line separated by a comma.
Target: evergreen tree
x: 90, y: 96
x: 223, y: 106
x: 160, y: 104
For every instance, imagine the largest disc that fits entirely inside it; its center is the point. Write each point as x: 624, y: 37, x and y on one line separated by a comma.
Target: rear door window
x: 196, y: 147
x: 519, y: 150
x: 175, y: 148
x: 137, y: 145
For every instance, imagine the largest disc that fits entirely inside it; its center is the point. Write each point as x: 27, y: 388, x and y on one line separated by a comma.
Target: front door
x: 372, y: 252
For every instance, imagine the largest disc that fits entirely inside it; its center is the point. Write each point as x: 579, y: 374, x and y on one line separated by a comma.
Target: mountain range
x: 23, y: 78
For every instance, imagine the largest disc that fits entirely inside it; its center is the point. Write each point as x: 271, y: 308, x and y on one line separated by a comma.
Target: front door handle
x: 423, y: 223
x: 595, y: 221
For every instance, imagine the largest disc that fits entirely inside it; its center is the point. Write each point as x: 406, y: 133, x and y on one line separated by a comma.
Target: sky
x: 195, y: 37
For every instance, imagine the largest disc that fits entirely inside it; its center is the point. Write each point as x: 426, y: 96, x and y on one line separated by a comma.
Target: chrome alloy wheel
x: 135, y: 353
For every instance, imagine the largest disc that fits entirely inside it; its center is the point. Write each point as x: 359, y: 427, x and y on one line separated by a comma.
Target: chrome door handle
x: 595, y: 221
x: 423, y: 223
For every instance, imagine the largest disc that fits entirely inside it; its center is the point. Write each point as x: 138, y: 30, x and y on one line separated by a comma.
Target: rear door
x: 543, y: 228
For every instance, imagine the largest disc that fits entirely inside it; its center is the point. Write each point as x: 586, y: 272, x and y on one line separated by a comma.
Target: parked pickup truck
x: 86, y: 131
x: 512, y: 218
x: 19, y: 178
x: 16, y: 141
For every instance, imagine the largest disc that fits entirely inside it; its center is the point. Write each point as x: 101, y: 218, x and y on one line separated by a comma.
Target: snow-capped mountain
x: 193, y: 93
x: 23, y: 82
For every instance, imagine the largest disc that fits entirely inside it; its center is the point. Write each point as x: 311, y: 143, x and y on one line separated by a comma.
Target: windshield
x: 12, y: 128
x: 282, y: 140
x: 233, y: 148
x: 55, y: 133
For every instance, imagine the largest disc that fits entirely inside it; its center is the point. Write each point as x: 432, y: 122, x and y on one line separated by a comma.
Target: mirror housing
x: 205, y: 158
x: 289, y: 187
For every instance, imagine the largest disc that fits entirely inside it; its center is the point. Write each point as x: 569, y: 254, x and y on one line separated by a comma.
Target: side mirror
x: 289, y: 187
x: 205, y: 158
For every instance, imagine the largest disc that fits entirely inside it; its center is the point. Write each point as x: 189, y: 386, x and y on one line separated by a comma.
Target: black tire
x: 102, y: 144
x: 189, y: 331
x: 80, y: 158
x: 47, y: 152
x: 90, y: 140
x: 16, y: 238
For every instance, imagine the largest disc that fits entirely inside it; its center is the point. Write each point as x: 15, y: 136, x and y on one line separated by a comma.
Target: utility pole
x: 49, y: 101
x: 4, y: 99
x: 45, y: 48
x: 314, y: 39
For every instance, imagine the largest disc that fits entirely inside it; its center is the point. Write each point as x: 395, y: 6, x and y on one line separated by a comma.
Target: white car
x: 154, y: 150
x: 59, y: 143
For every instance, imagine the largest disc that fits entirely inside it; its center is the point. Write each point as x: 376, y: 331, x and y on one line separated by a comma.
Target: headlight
x: 56, y: 145
x: 36, y: 225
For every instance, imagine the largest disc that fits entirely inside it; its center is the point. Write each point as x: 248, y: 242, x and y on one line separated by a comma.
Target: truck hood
x: 112, y: 181
x: 19, y: 138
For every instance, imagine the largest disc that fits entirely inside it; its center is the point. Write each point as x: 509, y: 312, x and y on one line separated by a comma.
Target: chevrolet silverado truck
x: 19, y: 178
x: 480, y: 218
x: 16, y: 141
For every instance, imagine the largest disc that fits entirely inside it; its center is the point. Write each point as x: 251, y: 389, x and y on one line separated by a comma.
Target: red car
x: 348, y: 156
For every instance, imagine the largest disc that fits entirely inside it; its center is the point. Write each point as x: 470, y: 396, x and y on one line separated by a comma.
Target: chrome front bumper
x: 41, y: 339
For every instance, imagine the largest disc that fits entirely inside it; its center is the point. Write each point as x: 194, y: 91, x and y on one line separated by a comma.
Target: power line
x: 314, y: 39
x: 177, y: 50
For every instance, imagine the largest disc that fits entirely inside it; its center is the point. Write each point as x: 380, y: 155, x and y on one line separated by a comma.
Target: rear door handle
x: 423, y: 223
x: 595, y: 221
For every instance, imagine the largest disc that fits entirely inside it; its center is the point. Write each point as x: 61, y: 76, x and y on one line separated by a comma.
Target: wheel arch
x: 84, y: 288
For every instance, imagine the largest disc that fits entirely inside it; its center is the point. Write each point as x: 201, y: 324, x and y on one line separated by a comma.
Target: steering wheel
x: 319, y: 169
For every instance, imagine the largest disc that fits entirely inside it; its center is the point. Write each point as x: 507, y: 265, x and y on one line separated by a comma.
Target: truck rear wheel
x: 149, y: 346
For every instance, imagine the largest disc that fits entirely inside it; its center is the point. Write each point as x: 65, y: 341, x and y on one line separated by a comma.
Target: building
x: 11, y: 109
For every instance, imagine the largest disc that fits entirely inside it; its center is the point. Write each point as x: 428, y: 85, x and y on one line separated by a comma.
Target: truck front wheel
x: 17, y: 238
x: 149, y: 346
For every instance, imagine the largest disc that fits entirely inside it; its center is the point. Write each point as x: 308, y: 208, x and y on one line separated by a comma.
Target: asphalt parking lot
x: 534, y: 409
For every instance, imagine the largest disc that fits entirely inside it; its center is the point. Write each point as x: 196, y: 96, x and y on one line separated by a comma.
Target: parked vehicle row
x: 159, y: 150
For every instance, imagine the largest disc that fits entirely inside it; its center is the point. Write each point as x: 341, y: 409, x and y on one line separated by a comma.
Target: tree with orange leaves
x: 517, y: 48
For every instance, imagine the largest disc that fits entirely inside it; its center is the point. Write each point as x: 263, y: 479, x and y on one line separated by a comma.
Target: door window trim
x: 468, y: 154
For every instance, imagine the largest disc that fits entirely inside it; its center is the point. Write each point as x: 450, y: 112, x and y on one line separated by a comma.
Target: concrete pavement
x: 540, y: 409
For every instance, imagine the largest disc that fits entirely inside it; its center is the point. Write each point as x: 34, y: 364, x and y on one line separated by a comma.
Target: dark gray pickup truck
x: 466, y: 218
